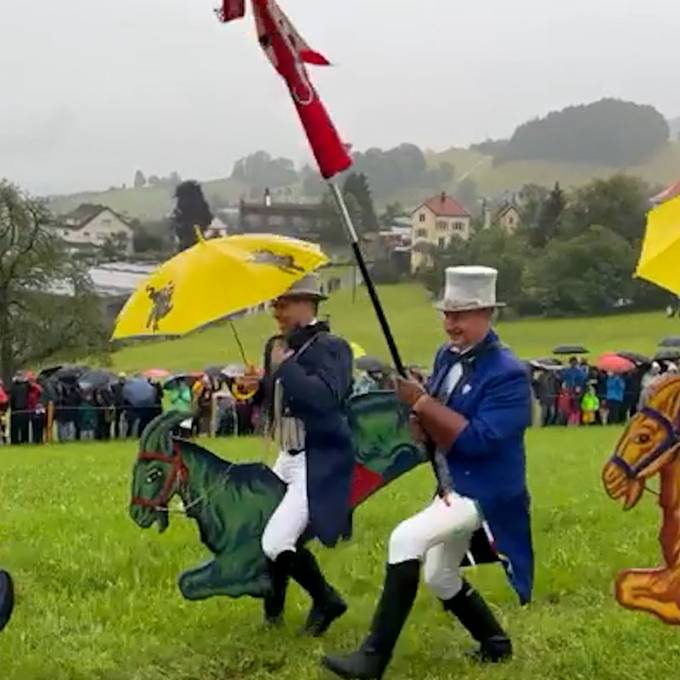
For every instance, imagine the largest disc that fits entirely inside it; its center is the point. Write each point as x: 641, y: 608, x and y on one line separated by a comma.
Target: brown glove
x: 441, y: 424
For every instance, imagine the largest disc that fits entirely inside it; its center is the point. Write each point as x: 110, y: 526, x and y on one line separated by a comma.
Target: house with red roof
x: 434, y: 223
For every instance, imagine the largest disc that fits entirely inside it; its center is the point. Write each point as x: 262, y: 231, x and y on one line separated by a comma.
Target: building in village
x: 297, y: 220
x: 434, y: 223
x: 507, y: 217
x: 93, y: 225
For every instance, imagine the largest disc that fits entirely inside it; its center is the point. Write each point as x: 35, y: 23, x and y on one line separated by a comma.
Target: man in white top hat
x: 307, y: 381
x: 475, y: 412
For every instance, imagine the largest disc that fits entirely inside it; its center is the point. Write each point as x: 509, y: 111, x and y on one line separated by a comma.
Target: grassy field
x: 416, y: 327
x: 97, y: 598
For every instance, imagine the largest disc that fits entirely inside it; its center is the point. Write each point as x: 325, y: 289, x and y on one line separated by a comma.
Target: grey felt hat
x: 308, y: 287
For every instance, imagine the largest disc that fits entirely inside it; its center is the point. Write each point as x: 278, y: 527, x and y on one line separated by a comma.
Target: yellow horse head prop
x: 650, y: 446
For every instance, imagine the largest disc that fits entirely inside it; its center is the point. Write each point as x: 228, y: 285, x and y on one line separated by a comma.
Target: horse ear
x: 157, y: 434
x: 664, y: 396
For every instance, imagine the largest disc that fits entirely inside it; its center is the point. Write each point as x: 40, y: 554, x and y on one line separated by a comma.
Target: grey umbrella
x: 139, y: 392
x: 96, y: 379
x: 70, y: 374
x: 371, y: 365
x: 570, y: 349
x: 667, y: 354
x: 635, y: 357
x: 671, y: 341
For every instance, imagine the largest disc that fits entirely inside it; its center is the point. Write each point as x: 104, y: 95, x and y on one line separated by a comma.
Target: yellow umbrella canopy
x: 214, y: 279
x: 357, y: 350
x: 661, y: 248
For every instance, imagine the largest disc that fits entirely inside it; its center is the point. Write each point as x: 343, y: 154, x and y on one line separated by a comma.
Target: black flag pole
x: 441, y: 469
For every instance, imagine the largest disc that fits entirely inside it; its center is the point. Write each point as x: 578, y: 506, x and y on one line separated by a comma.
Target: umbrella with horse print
x: 213, y: 280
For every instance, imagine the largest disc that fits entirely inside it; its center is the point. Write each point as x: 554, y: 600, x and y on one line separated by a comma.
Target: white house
x: 434, y: 223
x: 93, y: 225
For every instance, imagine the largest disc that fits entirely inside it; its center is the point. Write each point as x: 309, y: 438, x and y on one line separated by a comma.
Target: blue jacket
x: 616, y: 388
x: 316, y: 386
x: 487, y: 461
x: 573, y: 377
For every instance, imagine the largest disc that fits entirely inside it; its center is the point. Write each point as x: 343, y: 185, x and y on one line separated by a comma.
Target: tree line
x: 608, y: 132
x: 575, y: 252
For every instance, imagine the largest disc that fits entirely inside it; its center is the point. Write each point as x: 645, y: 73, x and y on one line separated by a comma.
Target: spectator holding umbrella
x: 36, y: 411
x: 87, y: 416
x: 180, y: 395
x: 119, y: 406
x: 204, y: 394
x: 590, y: 406
x: 103, y: 402
x: 647, y: 379
x: 616, y: 387
x: 19, y: 411
x: 4, y: 405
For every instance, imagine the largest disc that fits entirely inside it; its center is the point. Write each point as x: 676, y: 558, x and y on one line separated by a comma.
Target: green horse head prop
x: 232, y: 503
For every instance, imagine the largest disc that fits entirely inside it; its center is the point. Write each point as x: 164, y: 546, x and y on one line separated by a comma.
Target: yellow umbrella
x: 357, y: 350
x: 214, y: 279
x: 661, y: 249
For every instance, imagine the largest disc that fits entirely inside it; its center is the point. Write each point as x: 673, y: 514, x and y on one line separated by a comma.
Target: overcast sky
x: 94, y: 89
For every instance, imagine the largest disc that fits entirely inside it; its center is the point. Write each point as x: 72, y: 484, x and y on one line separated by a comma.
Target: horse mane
x: 664, y: 394
x: 157, y: 437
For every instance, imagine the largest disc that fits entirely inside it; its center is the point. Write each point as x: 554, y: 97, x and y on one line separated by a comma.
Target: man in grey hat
x: 475, y: 413
x: 307, y: 381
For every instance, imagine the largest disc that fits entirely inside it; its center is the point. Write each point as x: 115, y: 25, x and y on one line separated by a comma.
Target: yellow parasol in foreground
x: 357, y: 350
x: 661, y: 249
x: 213, y: 280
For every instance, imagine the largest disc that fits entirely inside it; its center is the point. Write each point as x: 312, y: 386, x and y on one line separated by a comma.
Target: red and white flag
x: 288, y: 53
x: 231, y: 9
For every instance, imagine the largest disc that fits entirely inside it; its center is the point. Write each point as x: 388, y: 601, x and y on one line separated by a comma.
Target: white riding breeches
x: 291, y: 517
x: 440, y: 537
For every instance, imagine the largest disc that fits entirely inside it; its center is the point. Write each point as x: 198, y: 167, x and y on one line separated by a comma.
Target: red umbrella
x: 613, y: 363
x: 158, y: 373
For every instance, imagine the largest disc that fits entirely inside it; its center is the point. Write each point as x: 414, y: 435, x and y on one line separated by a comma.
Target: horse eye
x: 643, y: 439
x: 153, y: 476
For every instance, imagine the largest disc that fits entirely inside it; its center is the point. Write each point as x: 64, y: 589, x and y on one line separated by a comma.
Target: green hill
x: 662, y: 168
x: 150, y: 203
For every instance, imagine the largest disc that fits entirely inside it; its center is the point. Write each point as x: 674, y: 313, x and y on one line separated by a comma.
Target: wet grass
x: 97, y: 596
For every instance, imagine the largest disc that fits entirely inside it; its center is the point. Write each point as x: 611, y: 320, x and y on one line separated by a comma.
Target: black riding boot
x: 275, y: 602
x: 371, y: 659
x: 469, y: 607
x: 327, y: 605
x: 6, y: 598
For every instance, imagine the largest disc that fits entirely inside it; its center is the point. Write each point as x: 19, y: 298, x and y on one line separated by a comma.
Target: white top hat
x: 469, y: 288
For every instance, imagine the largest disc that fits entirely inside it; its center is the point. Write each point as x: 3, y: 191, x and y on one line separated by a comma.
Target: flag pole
x: 370, y: 286
x: 439, y: 465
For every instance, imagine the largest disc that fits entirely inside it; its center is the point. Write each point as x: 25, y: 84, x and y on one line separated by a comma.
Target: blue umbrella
x: 139, y: 392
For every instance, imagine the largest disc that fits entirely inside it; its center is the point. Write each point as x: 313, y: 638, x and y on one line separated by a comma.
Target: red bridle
x: 178, y: 473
